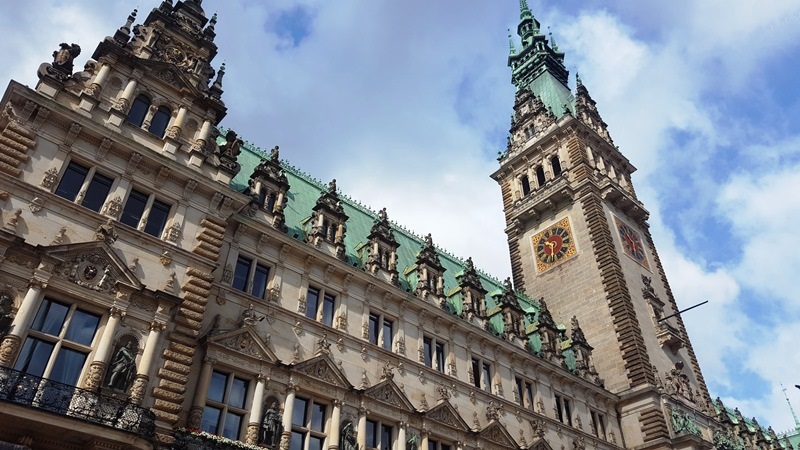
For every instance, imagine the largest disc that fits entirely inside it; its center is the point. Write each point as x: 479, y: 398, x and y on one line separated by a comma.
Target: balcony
x: 186, y: 439
x: 62, y: 399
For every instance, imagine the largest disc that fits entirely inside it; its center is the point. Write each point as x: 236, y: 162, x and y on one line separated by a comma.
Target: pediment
x: 389, y: 393
x: 540, y: 444
x: 323, y: 368
x: 92, y: 265
x: 498, y: 434
x: 167, y: 73
x: 445, y: 414
x: 244, y: 341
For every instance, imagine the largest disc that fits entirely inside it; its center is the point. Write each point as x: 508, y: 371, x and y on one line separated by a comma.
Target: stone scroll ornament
x: 63, y: 62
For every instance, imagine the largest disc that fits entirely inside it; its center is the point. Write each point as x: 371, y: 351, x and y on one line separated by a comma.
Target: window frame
x: 225, y: 408
x: 254, y: 264
x: 599, y: 418
x: 164, y: 114
x: 436, y: 444
x: 147, y: 102
x: 307, y: 430
x: 59, y: 341
x: 379, y: 427
x: 144, y: 219
x: 525, y: 392
x: 323, y: 298
x: 379, y: 333
x: 563, y: 407
x: 439, y: 352
x: 84, y: 186
x: 483, y: 377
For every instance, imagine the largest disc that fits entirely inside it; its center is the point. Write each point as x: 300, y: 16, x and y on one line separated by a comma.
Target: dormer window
x: 526, y: 185
x: 139, y: 110
x: 158, y: 126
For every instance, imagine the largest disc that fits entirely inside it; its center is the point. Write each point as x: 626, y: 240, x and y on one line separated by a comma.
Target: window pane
x: 97, y: 192
x: 317, y: 417
x: 233, y: 423
x: 476, y: 372
x: 372, y: 437
x: 82, y: 327
x: 299, y: 412
x: 387, y: 334
x: 315, y: 443
x: 34, y: 356
x: 138, y: 110
x: 386, y: 437
x: 373, y: 328
x: 134, y: 208
x: 426, y: 345
x: 445, y: 447
x: 210, y: 419
x: 312, y: 303
x: 71, y: 181
x: 241, y: 273
x: 327, y: 310
x: 68, y: 366
x: 298, y: 441
x: 160, y: 120
x: 238, y: 393
x: 216, y: 389
x: 157, y: 219
x: 440, y: 357
x: 487, y: 378
x: 260, y: 279
x: 50, y: 317
x: 432, y: 444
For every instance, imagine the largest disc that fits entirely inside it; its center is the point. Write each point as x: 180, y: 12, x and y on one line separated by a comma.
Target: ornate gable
x: 92, y: 265
x: 540, y: 444
x: 387, y: 392
x: 169, y: 74
x: 498, y: 434
x: 323, y: 368
x: 445, y: 414
x: 244, y: 341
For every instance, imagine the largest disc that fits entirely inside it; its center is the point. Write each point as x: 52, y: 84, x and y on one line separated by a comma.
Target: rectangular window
x: 435, y: 353
x: 78, y: 178
x: 320, y: 305
x: 524, y: 392
x: 482, y: 374
x: 250, y: 277
x: 308, y: 425
x: 142, y: 210
x: 563, y: 409
x: 379, y: 435
x: 225, y: 412
x: 58, y: 342
x: 381, y: 331
x: 436, y: 445
x: 598, y: 423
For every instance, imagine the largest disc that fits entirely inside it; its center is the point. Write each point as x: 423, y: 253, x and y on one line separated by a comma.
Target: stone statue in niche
x: 122, y: 368
x: 106, y: 232
x: 232, y: 146
x: 271, y: 427
x: 413, y: 442
x: 347, y: 439
x: 6, y: 309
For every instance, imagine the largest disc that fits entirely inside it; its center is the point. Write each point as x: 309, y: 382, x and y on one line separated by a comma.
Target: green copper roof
x: 305, y: 190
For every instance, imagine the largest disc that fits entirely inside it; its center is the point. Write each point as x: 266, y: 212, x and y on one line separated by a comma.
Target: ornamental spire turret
x: 528, y: 25
x: 511, y: 49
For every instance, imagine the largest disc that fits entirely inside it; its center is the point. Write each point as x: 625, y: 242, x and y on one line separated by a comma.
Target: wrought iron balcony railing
x: 65, y: 400
x: 197, y: 440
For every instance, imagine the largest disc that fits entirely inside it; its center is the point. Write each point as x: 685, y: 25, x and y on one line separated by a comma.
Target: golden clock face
x: 632, y: 243
x: 553, y: 245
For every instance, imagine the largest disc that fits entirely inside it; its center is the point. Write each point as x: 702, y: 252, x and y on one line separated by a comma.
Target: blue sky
x: 407, y: 103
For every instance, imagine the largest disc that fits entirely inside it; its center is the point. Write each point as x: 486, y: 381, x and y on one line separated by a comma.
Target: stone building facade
x: 163, y: 284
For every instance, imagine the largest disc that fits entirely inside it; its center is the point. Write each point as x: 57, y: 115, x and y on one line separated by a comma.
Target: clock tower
x: 579, y: 238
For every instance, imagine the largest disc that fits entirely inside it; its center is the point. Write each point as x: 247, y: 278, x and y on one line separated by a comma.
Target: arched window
x: 138, y: 110
x: 160, y: 121
x: 556, y: 166
x: 540, y: 175
x: 526, y: 185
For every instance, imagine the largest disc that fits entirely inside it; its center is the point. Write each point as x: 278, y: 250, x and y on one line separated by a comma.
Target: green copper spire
x: 524, y: 11
x: 511, y: 49
x: 552, y: 40
x: 528, y: 26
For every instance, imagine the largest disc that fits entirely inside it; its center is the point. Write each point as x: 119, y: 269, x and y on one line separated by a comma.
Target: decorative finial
x: 552, y: 40
x: 578, y: 79
x: 511, y: 49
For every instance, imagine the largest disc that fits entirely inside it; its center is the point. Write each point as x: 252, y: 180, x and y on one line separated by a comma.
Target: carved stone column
x: 335, y: 418
x: 146, y: 363
x: 256, y: 404
x: 97, y: 369
x: 124, y: 100
x: 288, y: 409
x: 175, y: 130
x: 424, y: 443
x: 98, y: 81
x: 361, y: 435
x: 196, y: 413
x: 401, y: 436
x: 11, y: 343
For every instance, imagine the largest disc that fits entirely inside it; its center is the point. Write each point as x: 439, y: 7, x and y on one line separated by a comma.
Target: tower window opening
x: 556, y: 166
x: 160, y: 121
x: 138, y: 110
x: 540, y: 175
x: 526, y: 185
